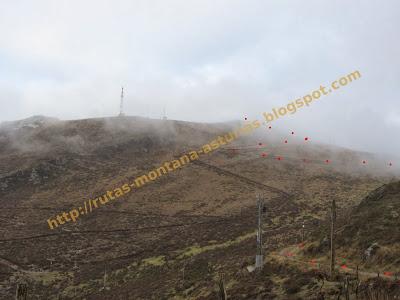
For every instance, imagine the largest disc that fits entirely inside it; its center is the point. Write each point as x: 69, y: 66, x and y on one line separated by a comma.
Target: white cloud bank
x: 206, y: 61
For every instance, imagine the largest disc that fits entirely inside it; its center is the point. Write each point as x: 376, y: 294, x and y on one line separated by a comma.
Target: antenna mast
x: 164, y: 114
x: 121, y: 106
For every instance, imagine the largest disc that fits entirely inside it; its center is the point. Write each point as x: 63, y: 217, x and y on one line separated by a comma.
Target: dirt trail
x: 11, y: 265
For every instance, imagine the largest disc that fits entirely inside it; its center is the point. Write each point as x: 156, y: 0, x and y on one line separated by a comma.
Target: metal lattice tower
x: 121, y: 106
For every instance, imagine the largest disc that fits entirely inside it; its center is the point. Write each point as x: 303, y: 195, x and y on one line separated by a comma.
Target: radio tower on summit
x: 121, y: 106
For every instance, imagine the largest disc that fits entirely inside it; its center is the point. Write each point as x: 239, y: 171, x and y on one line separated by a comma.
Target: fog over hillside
x: 207, y: 62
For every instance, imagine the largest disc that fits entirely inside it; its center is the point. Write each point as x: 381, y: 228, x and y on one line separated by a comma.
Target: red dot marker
x: 270, y: 127
x: 263, y: 155
x: 278, y: 158
x: 327, y: 161
x: 306, y: 138
x: 286, y: 142
x: 364, y: 162
x: 245, y: 118
x: 292, y: 132
x: 390, y: 164
x: 259, y: 144
x: 343, y: 267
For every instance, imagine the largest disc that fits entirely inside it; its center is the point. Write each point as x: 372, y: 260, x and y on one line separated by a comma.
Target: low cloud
x: 206, y: 62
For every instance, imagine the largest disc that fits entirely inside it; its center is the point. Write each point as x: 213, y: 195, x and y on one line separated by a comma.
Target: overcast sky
x: 207, y: 61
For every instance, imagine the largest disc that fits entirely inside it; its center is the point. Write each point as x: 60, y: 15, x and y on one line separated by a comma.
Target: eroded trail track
x: 11, y: 265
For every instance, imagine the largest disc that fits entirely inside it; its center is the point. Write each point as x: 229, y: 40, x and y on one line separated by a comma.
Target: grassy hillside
x: 375, y: 222
x: 170, y: 239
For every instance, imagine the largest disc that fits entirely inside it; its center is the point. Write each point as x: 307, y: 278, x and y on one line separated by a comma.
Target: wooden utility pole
x: 333, y: 221
x: 21, y: 292
x: 105, y: 287
x: 346, y: 288
x: 105, y: 278
x: 222, y: 295
x: 259, y: 255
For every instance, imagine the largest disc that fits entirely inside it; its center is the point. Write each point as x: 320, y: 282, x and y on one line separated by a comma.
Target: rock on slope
x: 373, y: 227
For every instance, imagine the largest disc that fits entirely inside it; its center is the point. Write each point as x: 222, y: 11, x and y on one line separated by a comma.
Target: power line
x: 114, y: 230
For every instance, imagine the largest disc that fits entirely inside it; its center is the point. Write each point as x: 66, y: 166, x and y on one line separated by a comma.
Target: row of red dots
x: 304, y: 160
x: 313, y: 262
